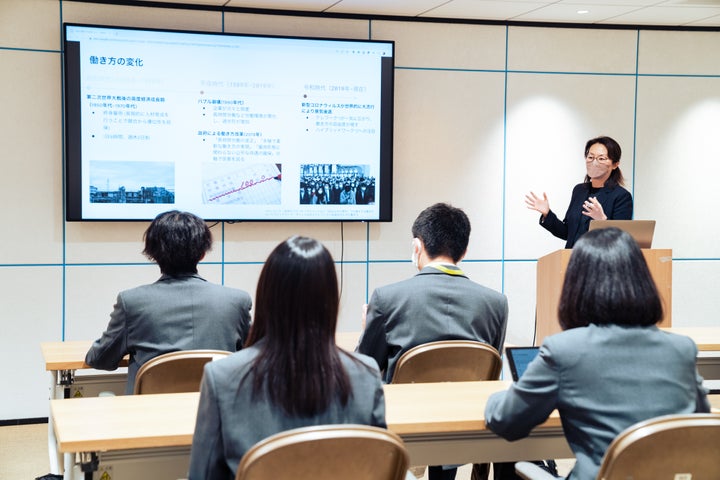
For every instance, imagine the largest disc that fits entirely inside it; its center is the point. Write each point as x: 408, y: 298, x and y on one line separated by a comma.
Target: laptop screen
x: 519, y: 358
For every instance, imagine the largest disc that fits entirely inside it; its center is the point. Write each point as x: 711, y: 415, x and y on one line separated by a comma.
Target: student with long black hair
x: 290, y: 374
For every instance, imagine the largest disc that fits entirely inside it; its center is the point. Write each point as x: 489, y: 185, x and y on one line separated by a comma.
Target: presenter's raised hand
x: 593, y: 209
x: 534, y: 202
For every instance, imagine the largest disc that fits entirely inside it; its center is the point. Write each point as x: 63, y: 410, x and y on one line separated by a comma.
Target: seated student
x: 180, y: 311
x: 611, y: 367
x: 290, y: 374
x: 439, y: 302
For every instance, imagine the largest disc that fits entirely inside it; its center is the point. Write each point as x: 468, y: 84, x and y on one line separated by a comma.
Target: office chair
x: 448, y: 361
x: 674, y: 447
x: 175, y: 372
x: 327, y: 452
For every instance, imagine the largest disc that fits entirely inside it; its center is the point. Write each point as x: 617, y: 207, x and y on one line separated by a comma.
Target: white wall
x: 483, y: 114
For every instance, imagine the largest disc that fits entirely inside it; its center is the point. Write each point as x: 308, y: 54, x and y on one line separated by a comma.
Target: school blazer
x: 175, y: 313
x: 230, y: 419
x: 602, y: 379
x: 431, y: 306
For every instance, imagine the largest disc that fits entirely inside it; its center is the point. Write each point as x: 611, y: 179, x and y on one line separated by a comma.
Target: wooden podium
x: 551, y: 274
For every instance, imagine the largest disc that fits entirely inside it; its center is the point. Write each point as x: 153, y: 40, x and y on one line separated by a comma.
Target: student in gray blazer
x: 291, y: 374
x: 180, y: 311
x: 439, y: 303
x: 611, y: 367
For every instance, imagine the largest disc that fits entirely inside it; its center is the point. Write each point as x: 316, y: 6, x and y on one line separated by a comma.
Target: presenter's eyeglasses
x: 590, y: 159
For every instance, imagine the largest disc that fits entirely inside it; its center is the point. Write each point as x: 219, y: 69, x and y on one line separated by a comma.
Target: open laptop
x: 519, y: 358
x: 641, y: 230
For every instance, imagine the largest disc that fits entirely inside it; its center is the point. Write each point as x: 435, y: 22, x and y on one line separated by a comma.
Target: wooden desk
x: 64, y: 359
x: 444, y: 423
x: 440, y: 424
x: 69, y: 378
x: 70, y: 355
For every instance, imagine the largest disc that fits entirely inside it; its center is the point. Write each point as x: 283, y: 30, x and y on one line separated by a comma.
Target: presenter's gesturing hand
x: 534, y: 202
x: 593, y: 209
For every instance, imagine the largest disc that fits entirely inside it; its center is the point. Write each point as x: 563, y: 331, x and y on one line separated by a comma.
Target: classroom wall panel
x: 696, y: 302
x: 104, y: 243
x: 520, y: 280
x: 353, y: 280
x: 678, y: 161
x: 448, y: 148
x: 383, y: 273
x: 31, y: 301
x: 30, y: 24
x: 549, y: 119
x: 443, y: 46
x: 124, y: 16
x: 91, y: 291
x: 571, y: 50
x: 253, y: 241
x: 304, y: 26
x: 31, y: 157
x: 676, y: 52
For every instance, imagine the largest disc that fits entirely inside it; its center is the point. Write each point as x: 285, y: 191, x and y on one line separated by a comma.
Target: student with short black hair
x: 439, y: 302
x: 180, y: 311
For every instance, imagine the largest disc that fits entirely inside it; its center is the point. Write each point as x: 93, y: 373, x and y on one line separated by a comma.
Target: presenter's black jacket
x: 617, y: 204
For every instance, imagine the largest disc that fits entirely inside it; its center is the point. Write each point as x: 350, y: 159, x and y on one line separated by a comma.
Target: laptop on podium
x: 641, y: 230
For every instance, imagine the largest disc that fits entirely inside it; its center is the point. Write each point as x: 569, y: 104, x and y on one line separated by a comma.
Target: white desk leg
x: 56, y: 391
x: 69, y: 461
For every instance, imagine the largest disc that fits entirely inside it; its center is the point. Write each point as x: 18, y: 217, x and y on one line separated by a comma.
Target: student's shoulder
x: 677, y: 341
x: 140, y: 291
x: 225, y: 290
x: 568, y: 340
x: 484, y: 293
x: 358, y: 361
x: 236, y: 362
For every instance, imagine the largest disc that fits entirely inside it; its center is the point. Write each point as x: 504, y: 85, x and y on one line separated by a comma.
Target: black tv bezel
x: 72, y: 129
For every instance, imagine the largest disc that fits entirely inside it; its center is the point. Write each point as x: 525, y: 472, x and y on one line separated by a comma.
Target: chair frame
x: 424, y: 359
x: 170, y: 360
x: 326, y: 437
x: 646, y: 431
x: 632, y: 445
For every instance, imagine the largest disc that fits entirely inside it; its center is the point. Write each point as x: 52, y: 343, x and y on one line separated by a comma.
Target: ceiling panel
x: 705, y: 13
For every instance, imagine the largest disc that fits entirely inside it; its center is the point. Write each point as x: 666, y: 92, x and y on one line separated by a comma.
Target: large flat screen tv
x: 230, y: 127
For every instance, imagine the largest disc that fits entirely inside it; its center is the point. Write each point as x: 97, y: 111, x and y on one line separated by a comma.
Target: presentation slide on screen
x: 228, y: 127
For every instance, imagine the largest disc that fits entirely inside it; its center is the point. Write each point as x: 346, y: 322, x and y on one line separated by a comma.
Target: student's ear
x: 417, y: 245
